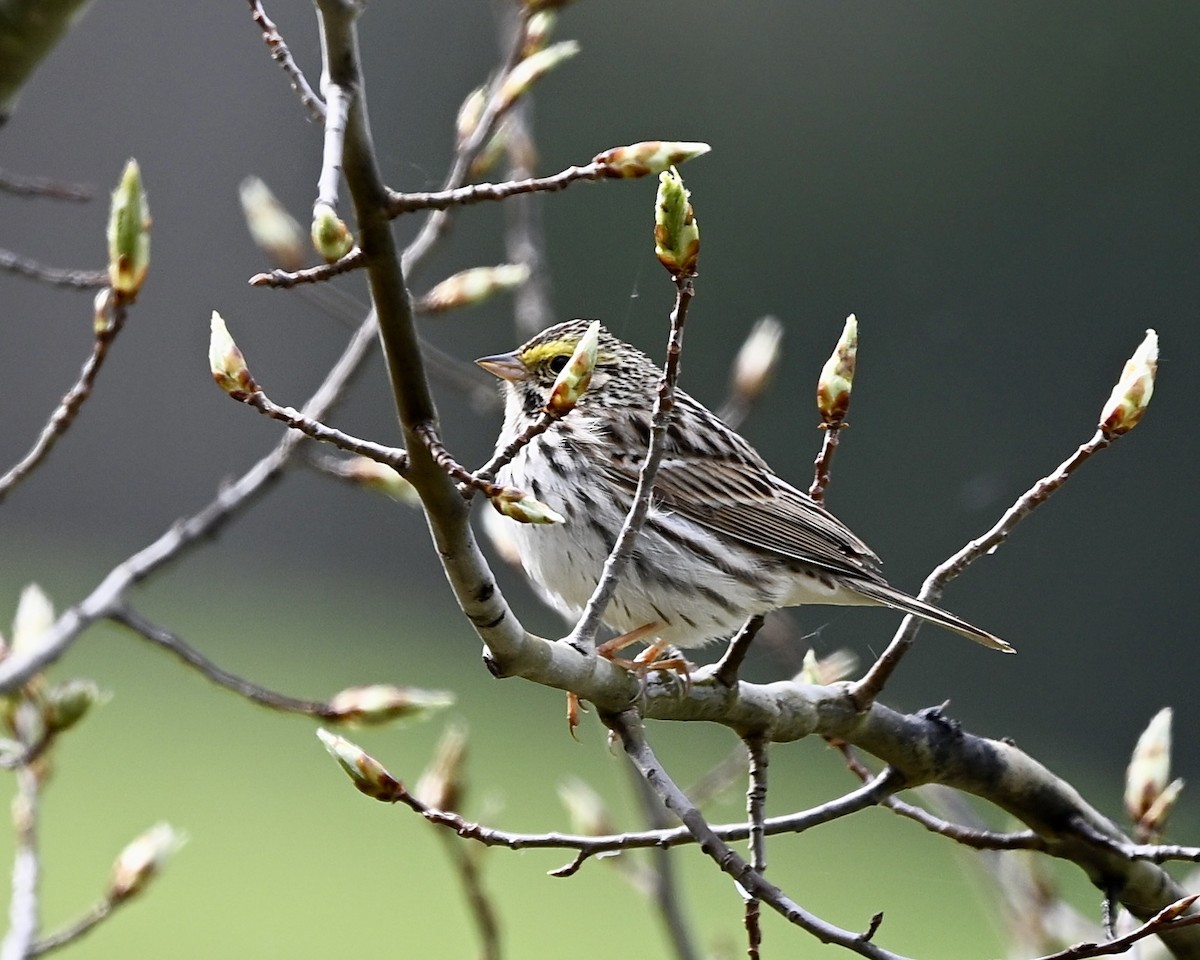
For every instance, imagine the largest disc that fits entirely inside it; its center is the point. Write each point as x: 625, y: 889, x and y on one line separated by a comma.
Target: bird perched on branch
x: 725, y: 537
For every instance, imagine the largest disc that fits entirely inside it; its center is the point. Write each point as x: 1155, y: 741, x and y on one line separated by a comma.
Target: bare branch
x: 628, y: 727
x: 56, y: 276
x: 283, y: 56
x: 283, y: 279
x: 871, y: 685
x: 127, y: 617
x: 23, y: 186
x: 68, y: 408
x: 756, y: 801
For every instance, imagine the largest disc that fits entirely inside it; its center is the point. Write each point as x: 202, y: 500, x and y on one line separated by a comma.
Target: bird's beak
x: 506, y: 366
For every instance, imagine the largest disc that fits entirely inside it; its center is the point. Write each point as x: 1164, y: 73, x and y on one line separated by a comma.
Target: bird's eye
x: 557, y: 363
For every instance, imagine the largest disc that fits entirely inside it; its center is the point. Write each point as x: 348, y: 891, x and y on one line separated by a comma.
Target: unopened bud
x: 756, y: 360
x: 576, y: 376
x: 828, y: 669
x: 139, y: 862
x: 469, y: 114
x: 65, y: 704
x: 1133, y: 391
x: 837, y: 376
x: 331, y: 238
x: 376, y: 476
x: 537, y: 31
x: 32, y: 622
x: 443, y: 785
x: 367, y: 773
x: 676, y: 232
x: 1149, y: 766
x: 102, y: 310
x: 586, y: 808
x: 128, y: 234
x: 1154, y: 821
x: 473, y: 286
x: 275, y: 231
x: 520, y: 506
x: 382, y: 703
x: 649, y: 156
x: 526, y: 73
x: 226, y: 362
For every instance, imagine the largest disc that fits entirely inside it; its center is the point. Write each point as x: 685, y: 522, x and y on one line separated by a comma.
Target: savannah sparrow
x: 725, y: 538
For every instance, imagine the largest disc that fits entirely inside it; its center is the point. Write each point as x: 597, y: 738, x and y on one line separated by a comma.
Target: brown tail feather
x: 889, y: 596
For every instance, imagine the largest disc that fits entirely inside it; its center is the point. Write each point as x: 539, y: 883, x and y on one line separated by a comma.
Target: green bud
x: 65, y: 704
x: 1133, y: 391
x: 473, y: 286
x: 837, y: 376
x: 526, y: 73
x: 367, y: 773
x: 676, y: 232
x: 576, y: 376
x: 273, y: 229
x: 139, y: 862
x: 381, y: 703
x: 226, y: 362
x: 520, y: 506
x: 649, y: 156
x: 128, y: 234
x: 331, y: 238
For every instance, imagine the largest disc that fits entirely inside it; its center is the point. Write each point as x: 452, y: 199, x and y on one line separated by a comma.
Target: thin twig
x: 283, y: 56
x: 22, y: 186
x: 1166, y: 919
x: 128, y: 617
x: 503, y: 457
x: 726, y: 670
x: 583, y: 636
x: 100, y: 911
x: 974, y: 837
x: 283, y: 279
x: 393, y: 457
x: 68, y: 408
x: 824, y: 462
x: 756, y: 802
x: 441, y: 456
x: 592, y: 845
x: 56, y: 276
x: 399, y: 203
x: 865, y: 691
x: 628, y: 728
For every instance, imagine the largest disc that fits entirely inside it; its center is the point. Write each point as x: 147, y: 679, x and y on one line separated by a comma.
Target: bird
x: 725, y: 539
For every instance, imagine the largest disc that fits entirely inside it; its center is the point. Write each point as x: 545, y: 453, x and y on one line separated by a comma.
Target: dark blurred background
x: 1005, y: 195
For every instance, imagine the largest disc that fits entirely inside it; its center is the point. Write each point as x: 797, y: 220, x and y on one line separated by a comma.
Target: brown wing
x: 729, y: 489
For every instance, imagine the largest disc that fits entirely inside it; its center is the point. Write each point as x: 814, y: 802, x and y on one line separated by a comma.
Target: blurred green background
x: 1004, y: 194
